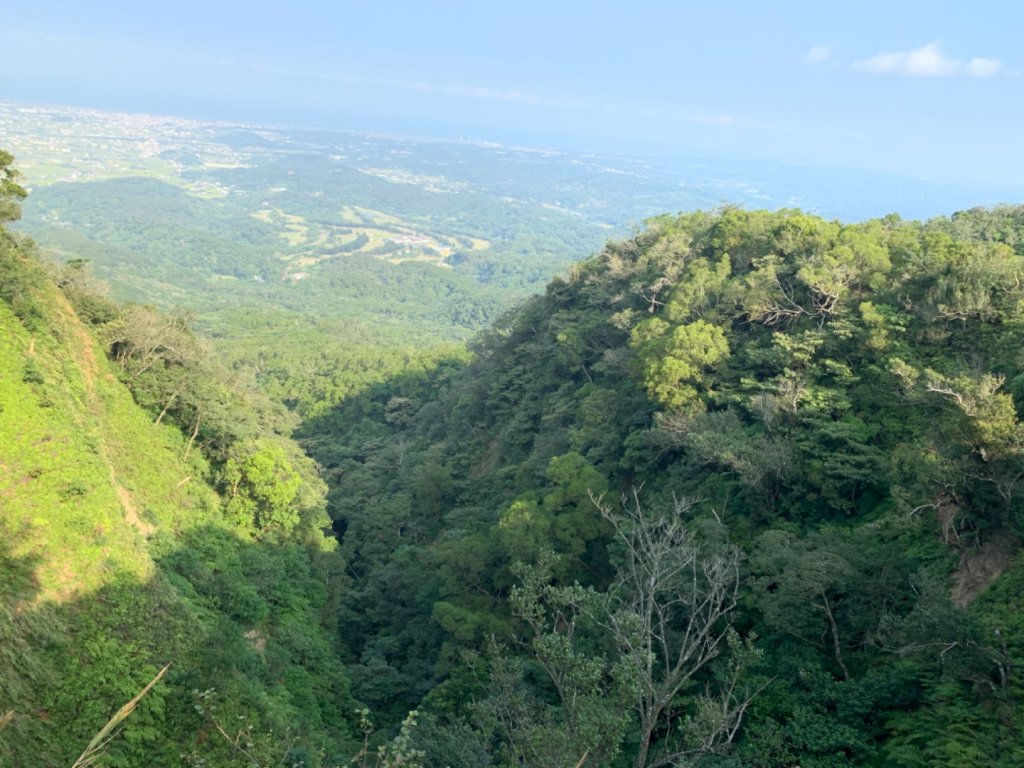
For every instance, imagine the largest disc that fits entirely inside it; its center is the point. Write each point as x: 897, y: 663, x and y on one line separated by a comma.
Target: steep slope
x: 843, y: 399
x: 118, y: 555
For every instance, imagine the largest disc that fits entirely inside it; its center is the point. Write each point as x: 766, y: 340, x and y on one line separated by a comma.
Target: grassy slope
x: 115, y: 559
x: 86, y: 475
x: 85, y: 480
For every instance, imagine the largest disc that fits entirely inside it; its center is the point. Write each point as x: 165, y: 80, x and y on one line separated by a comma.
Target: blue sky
x: 928, y: 89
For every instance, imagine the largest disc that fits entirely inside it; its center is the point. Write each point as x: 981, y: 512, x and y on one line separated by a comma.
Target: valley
x: 439, y: 454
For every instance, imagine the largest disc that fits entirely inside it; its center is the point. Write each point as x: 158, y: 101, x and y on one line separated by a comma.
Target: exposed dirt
x: 66, y: 589
x: 256, y: 640
x: 86, y: 359
x: 131, y: 514
x: 981, y: 565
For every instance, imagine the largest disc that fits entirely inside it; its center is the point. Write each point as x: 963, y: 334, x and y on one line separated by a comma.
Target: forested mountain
x: 741, y: 490
x: 309, y: 255
x: 814, y: 429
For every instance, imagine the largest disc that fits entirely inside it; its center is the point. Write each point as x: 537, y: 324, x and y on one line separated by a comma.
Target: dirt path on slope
x: 86, y: 352
x: 131, y: 513
x: 85, y: 357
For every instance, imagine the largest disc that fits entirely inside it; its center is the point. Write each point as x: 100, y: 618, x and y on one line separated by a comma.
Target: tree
x: 662, y: 628
x: 263, y: 487
x: 10, y: 190
x: 670, y: 613
x: 586, y: 725
x: 675, y: 362
x: 995, y: 436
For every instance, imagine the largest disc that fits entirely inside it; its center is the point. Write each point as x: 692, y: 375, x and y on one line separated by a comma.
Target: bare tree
x: 142, y: 338
x: 670, y: 612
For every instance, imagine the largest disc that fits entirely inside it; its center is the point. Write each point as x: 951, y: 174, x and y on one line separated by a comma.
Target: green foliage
x: 116, y: 556
x: 844, y: 397
x: 263, y: 489
x: 674, y: 361
x: 10, y: 191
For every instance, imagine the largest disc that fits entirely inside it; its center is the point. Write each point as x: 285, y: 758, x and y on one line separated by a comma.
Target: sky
x: 926, y: 89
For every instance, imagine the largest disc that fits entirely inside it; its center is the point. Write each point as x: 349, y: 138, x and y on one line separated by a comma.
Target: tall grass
x: 99, y: 742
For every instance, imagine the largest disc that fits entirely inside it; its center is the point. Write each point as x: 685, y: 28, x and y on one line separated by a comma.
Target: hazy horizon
x: 928, y: 91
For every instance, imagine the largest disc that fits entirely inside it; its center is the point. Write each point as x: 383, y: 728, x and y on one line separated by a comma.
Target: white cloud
x: 983, y: 67
x: 927, y: 61
x: 817, y: 54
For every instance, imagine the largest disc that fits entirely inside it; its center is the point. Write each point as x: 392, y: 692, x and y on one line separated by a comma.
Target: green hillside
x: 743, y: 490
x: 817, y: 422
x: 122, y: 550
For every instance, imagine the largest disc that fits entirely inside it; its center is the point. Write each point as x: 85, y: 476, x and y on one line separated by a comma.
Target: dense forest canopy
x: 830, y: 410
x: 308, y: 254
x: 740, y: 490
